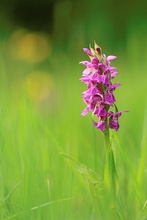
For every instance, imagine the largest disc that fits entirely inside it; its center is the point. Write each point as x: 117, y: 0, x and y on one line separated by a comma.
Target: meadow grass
x: 36, y: 182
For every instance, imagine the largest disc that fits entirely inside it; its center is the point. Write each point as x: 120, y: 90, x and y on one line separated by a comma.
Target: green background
x: 40, y: 103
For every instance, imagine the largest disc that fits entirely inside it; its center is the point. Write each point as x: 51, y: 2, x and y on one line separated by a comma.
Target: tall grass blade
x: 36, y: 207
x: 143, y: 156
x: 126, y: 160
x: 9, y: 194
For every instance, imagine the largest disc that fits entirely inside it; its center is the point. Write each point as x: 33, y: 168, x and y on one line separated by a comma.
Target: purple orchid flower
x: 99, y: 95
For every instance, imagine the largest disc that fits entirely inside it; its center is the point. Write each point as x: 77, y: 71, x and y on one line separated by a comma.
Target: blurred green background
x: 40, y: 99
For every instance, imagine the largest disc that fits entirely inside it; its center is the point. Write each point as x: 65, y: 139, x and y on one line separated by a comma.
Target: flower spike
x: 99, y: 95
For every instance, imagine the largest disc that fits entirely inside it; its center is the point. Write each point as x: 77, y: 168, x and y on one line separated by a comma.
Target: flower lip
x: 114, y: 86
x: 100, y: 125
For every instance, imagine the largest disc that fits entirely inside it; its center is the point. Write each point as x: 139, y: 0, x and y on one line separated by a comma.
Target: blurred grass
x: 36, y: 128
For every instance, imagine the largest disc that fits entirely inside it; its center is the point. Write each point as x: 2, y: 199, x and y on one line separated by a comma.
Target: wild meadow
x: 40, y: 114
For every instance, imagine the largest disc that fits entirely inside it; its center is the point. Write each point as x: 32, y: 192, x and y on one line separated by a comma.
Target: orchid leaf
x: 89, y: 174
x: 95, y: 183
x: 110, y: 174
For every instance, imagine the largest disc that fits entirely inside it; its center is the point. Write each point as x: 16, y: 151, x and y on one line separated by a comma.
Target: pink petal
x: 111, y: 57
x: 85, y: 111
x: 86, y: 71
x: 87, y: 51
x: 114, y: 74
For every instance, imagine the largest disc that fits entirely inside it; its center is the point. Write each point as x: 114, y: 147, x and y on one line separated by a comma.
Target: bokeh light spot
x: 39, y: 85
x: 31, y: 47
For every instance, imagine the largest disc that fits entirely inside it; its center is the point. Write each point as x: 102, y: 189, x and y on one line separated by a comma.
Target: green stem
x: 107, y: 136
x: 107, y: 139
x: 110, y: 174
